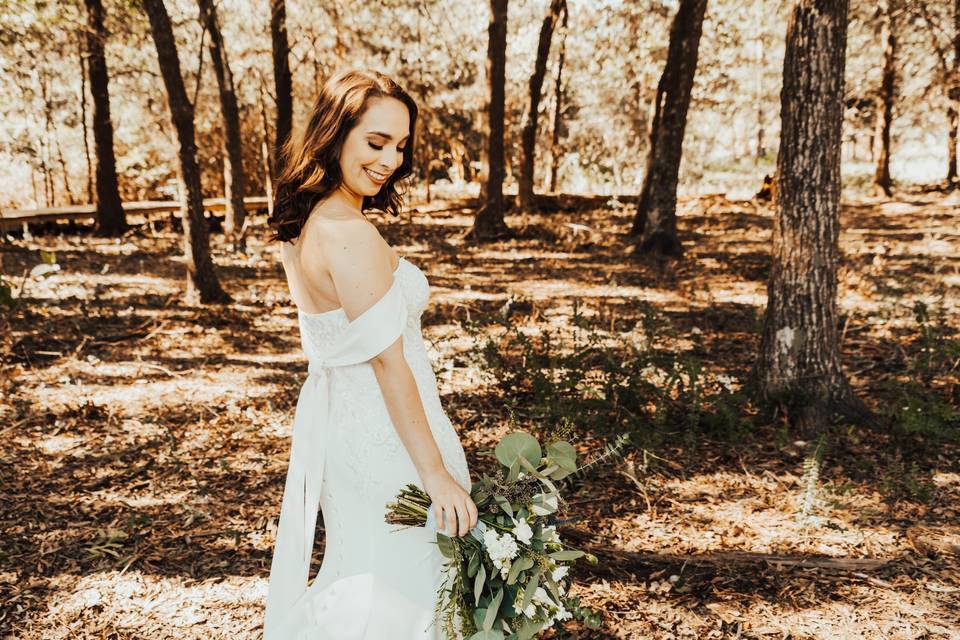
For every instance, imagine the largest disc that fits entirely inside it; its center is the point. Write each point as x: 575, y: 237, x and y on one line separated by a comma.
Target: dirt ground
x: 145, y: 441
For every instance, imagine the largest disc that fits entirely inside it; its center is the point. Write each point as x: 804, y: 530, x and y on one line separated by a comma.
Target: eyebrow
x: 386, y: 135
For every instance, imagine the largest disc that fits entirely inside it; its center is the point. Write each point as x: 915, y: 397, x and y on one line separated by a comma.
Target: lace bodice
x: 356, y: 398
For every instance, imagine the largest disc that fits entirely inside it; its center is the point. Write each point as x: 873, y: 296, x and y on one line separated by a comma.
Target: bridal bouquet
x: 508, y: 577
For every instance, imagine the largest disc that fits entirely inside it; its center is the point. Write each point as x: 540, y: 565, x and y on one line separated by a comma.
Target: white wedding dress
x: 376, y: 581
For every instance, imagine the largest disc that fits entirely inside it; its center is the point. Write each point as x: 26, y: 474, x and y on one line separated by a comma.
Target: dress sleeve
x: 372, y: 331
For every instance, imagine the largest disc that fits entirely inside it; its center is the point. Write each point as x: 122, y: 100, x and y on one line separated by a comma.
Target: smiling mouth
x: 376, y: 177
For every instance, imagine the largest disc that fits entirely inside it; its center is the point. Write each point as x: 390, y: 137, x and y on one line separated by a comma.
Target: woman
x: 368, y: 419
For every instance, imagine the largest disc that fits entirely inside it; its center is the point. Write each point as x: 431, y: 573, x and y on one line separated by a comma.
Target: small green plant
x: 918, y: 409
x: 588, y: 379
x: 810, y: 500
x: 902, y: 482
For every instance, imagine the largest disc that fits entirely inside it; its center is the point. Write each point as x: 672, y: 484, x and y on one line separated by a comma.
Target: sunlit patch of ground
x: 145, y: 440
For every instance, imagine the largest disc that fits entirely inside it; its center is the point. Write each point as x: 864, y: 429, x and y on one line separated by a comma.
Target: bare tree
x: 555, y: 150
x: 234, y: 178
x: 656, y: 218
x: 196, y: 237
x: 488, y: 223
x: 528, y: 136
x: 282, y: 79
x: 799, y: 361
x: 886, y: 96
x: 111, y: 220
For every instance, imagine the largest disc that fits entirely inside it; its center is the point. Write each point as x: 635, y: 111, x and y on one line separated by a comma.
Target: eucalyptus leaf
x: 478, y: 615
x: 492, y: 610
x: 445, y: 545
x: 567, y: 554
x: 518, y: 444
x: 529, y: 590
x: 520, y: 564
x: 478, y: 583
x: 474, y: 564
x: 559, y: 473
x: 504, y: 504
x: 487, y: 634
x: 544, y: 504
x: 528, y: 630
x: 563, y: 454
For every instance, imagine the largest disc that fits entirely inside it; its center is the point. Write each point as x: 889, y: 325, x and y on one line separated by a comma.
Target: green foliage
x: 595, y: 382
x: 918, y: 407
x: 901, y: 481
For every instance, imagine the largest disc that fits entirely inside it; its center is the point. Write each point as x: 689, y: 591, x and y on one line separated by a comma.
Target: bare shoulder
x: 341, y: 239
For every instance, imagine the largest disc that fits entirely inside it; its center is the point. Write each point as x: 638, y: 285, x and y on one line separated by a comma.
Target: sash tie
x: 363, y: 338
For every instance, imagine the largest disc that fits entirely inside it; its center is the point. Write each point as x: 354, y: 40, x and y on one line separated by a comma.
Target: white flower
x: 541, y: 596
x: 550, y: 534
x: 522, y: 531
x: 500, y: 549
x: 562, y: 613
x: 560, y: 573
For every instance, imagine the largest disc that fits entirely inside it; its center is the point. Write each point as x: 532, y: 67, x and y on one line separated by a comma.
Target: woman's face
x: 373, y: 150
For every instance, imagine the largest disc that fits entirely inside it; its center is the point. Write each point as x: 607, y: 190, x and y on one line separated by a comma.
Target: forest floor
x: 145, y: 440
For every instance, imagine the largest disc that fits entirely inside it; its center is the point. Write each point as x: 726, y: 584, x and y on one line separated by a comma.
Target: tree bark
x: 528, y: 136
x: 488, y: 223
x: 953, y: 111
x: 798, y: 367
x: 234, y: 178
x: 83, y: 115
x: 656, y: 218
x: 111, y: 219
x: 196, y: 237
x: 885, y: 98
x: 283, y: 81
x: 265, y: 148
x: 558, y: 106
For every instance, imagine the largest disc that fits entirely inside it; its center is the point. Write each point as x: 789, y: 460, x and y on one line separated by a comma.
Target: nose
x: 390, y: 162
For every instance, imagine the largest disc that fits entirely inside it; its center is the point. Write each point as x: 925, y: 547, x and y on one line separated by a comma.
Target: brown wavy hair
x: 311, y: 161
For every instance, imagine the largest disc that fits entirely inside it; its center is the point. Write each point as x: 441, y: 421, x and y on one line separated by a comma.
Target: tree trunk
x: 488, y: 223
x: 265, y: 149
x: 760, y: 55
x: 111, y: 219
x: 558, y: 106
x: 83, y: 116
x: 234, y: 179
x: 799, y: 363
x: 54, y: 136
x: 283, y: 81
x: 953, y: 120
x: 881, y: 178
x: 196, y: 237
x: 953, y: 111
x: 656, y: 217
x: 528, y: 136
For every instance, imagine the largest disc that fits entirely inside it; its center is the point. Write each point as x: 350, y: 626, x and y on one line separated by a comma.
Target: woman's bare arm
x: 360, y: 266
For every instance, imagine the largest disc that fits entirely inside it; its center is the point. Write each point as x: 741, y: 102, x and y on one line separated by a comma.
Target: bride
x: 368, y: 419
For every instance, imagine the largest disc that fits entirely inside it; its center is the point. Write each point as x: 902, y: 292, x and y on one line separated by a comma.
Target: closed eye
x: 380, y: 147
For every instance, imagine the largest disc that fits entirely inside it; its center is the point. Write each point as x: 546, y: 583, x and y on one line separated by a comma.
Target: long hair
x: 310, y: 167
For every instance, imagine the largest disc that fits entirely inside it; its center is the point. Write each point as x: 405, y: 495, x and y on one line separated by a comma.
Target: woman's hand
x: 453, y: 508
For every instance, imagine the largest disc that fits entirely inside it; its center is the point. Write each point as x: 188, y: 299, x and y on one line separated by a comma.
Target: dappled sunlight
x: 143, y: 603
x: 161, y: 428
